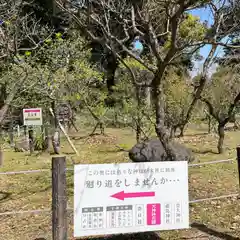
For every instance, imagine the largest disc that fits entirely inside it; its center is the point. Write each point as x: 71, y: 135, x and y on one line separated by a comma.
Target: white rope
x: 39, y: 211
x: 211, y: 162
x: 25, y: 212
x: 214, y: 198
x: 71, y: 169
x: 25, y: 172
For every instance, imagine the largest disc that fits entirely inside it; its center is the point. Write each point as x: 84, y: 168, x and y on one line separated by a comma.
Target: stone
x: 21, y: 145
x: 153, y: 151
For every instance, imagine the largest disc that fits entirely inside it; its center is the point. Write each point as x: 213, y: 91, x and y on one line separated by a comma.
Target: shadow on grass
x: 67, y: 153
x: 206, y: 151
x: 4, y: 196
x: 88, y: 136
x: 137, y: 236
x: 231, y: 129
x: 212, y: 232
x: 194, y: 134
x: 79, y: 137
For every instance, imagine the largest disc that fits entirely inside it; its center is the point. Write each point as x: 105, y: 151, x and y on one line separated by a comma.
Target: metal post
x: 59, y: 199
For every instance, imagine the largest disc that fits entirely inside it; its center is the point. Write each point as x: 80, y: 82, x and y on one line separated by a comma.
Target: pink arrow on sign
x: 122, y: 195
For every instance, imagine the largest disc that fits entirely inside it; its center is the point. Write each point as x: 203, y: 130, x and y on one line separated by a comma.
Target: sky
x: 205, y: 15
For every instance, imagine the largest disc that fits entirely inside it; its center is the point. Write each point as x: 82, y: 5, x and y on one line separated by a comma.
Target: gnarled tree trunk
x: 161, y: 129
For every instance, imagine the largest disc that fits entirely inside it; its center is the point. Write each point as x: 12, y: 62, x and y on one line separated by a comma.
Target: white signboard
x: 32, y: 117
x: 130, y: 197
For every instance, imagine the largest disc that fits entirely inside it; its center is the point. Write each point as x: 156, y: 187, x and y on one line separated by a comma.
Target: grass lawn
x: 218, y: 219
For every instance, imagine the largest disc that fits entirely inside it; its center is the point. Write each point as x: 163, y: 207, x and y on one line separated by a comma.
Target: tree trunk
x: 148, y: 96
x: 161, y: 129
x: 209, y: 124
x: 173, y: 132
x: 47, y: 140
x: 72, y: 122
x: 236, y: 125
x: 111, y: 80
x: 181, y: 128
x: 56, y: 142
x: 138, y: 120
x: 138, y: 131
x: 56, y: 135
x: 11, y: 133
x: 221, y: 135
x: 1, y: 149
x: 102, y: 129
x: 94, y: 129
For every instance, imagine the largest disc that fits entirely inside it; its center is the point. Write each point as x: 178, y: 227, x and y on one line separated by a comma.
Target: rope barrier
x: 71, y: 169
x: 39, y: 211
x: 211, y: 162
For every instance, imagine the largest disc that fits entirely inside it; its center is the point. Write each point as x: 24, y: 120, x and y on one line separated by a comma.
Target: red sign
x: 122, y: 195
x: 32, y: 110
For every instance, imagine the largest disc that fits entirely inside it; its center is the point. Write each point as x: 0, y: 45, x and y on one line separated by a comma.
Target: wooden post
x: 31, y: 140
x: 59, y: 199
x: 238, y: 160
x: 42, y: 138
x: 1, y: 156
x: 25, y: 131
x: 18, y: 131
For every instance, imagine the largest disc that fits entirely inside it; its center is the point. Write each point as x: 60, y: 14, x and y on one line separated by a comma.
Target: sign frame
x: 145, y: 206
x: 32, y: 117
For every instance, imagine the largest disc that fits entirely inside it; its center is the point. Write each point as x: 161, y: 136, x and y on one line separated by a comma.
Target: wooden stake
x: 59, y: 199
x: 238, y: 160
x: 31, y: 140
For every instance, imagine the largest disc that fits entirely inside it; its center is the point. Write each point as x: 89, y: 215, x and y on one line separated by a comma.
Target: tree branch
x: 232, y: 107
x: 211, y: 110
x: 108, y: 36
x: 135, y: 29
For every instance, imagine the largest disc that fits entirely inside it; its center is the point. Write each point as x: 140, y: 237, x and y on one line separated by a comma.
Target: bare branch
x: 135, y: 29
x: 154, y: 43
x: 108, y: 36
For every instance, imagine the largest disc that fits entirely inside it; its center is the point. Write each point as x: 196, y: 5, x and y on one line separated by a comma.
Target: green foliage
x: 133, y: 64
x: 191, y: 29
x: 38, y: 140
x: 178, y: 95
x: 59, y: 72
x: 28, y: 53
x: 222, y: 90
x: 72, y: 78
